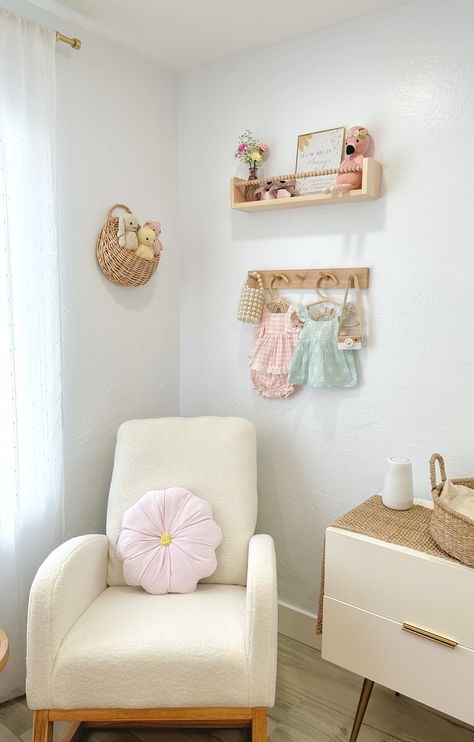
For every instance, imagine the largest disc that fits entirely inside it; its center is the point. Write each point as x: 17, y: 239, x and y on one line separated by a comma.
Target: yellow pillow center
x: 166, y: 538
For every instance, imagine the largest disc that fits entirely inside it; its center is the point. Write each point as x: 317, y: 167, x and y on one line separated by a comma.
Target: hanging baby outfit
x: 317, y: 361
x: 275, y: 340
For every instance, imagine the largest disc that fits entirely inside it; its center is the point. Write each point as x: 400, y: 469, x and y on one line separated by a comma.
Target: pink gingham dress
x: 275, y: 340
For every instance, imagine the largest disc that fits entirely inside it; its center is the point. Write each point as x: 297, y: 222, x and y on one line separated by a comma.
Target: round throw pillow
x: 168, y: 541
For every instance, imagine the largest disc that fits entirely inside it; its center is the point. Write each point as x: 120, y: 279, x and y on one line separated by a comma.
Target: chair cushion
x: 214, y: 457
x: 130, y: 649
x: 168, y: 541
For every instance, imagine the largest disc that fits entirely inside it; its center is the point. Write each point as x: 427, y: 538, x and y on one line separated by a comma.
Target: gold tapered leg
x: 367, y: 687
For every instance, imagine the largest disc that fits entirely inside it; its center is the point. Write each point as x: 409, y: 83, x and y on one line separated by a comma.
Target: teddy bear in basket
x: 149, y: 245
x: 146, y: 240
x: 143, y: 241
x: 156, y: 227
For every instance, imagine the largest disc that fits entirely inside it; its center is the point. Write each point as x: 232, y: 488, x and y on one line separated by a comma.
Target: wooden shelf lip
x: 371, y: 174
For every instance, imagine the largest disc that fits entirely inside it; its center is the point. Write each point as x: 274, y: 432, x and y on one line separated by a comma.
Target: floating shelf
x: 371, y: 172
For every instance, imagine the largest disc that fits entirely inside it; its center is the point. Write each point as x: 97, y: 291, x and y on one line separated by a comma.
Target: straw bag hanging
x: 452, y: 531
x: 349, y: 335
x: 251, y: 300
x: 122, y: 266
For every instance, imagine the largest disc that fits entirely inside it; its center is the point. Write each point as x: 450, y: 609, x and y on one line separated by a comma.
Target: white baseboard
x: 298, y: 624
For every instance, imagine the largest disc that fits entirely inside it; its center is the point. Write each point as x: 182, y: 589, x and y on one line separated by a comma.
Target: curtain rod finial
x: 75, y: 43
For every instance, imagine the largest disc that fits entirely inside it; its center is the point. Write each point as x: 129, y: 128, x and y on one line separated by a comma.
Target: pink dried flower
x: 242, y: 147
x: 263, y: 146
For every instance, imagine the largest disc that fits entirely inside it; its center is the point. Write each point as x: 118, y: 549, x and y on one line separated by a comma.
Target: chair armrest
x: 67, y: 582
x: 261, y: 621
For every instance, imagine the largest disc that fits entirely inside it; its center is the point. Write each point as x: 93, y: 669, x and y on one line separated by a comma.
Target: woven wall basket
x: 121, y: 266
x: 452, y: 531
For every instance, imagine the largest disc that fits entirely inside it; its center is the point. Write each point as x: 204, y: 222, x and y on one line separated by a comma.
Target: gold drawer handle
x: 429, y: 635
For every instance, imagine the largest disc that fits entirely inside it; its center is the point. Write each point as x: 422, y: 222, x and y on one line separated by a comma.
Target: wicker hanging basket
x: 121, y: 266
x: 452, y: 531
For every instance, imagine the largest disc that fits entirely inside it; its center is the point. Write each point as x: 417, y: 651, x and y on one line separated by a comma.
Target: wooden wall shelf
x: 371, y: 173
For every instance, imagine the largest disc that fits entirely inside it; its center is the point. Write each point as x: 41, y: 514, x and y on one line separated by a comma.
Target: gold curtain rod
x: 75, y: 43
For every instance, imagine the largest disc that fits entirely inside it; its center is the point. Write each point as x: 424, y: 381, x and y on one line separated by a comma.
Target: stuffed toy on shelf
x: 283, y: 189
x: 146, y: 240
x: 275, y: 189
x: 127, y: 231
x: 356, y: 147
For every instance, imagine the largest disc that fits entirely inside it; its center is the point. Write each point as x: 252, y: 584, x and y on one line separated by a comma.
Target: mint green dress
x: 317, y: 361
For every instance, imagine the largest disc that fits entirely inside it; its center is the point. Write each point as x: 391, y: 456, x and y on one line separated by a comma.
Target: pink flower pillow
x: 168, y: 541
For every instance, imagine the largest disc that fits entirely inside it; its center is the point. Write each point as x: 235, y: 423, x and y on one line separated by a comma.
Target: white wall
x: 118, y: 123
x: 117, y: 142
x: 407, y: 74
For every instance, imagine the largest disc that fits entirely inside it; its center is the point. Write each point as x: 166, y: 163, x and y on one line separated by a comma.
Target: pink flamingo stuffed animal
x: 356, y: 148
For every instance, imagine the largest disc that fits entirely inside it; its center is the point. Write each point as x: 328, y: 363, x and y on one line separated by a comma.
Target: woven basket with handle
x: 122, y: 266
x: 452, y: 531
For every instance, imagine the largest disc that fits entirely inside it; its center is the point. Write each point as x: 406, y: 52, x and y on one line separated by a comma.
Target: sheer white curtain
x: 31, y: 469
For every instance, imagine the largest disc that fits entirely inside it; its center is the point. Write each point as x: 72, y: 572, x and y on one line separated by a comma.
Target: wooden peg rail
x: 305, y: 278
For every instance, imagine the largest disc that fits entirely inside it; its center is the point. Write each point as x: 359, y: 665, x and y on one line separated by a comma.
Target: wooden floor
x: 315, y: 703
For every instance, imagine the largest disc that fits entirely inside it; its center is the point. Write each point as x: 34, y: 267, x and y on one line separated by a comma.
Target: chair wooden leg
x: 259, y: 725
x: 42, y: 726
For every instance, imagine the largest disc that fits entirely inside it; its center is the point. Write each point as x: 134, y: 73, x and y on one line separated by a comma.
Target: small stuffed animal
x: 276, y: 189
x: 156, y: 227
x: 283, y: 189
x: 356, y: 148
x: 146, y: 240
x: 264, y: 192
x: 127, y: 231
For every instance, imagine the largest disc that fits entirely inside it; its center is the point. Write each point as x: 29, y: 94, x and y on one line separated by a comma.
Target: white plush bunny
x: 127, y: 231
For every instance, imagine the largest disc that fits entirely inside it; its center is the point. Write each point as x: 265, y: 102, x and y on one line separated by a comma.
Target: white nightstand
x: 401, y: 618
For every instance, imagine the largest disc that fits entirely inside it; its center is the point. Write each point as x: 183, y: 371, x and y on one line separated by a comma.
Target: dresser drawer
x: 401, y: 584
x: 378, y: 648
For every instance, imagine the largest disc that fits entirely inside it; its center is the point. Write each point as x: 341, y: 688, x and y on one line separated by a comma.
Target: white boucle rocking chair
x: 103, y: 653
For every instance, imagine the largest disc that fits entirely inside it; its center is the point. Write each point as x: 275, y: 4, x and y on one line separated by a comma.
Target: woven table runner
x: 408, y: 528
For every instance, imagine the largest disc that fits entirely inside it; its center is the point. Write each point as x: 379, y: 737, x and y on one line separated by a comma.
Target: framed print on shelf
x: 318, y: 150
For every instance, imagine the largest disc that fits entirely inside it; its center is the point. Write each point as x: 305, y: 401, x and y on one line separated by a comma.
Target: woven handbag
x: 251, y: 300
x: 452, y: 531
x: 349, y: 335
x: 122, y: 266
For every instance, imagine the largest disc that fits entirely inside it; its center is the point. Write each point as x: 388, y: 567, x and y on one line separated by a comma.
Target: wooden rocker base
x: 43, y: 720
